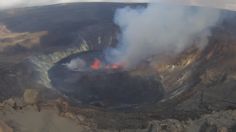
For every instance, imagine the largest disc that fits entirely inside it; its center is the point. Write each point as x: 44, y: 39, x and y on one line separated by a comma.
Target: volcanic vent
x: 88, y: 79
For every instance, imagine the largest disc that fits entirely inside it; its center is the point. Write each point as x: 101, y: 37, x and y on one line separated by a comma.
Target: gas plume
x: 154, y: 29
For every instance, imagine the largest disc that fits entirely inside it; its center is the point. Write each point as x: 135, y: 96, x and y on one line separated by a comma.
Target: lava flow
x: 97, y: 65
x: 114, y: 66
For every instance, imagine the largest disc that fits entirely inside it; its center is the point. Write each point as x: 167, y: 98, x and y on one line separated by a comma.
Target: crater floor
x: 104, y: 87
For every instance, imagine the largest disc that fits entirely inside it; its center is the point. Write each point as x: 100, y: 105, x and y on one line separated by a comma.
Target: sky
x: 225, y: 4
x: 20, y: 3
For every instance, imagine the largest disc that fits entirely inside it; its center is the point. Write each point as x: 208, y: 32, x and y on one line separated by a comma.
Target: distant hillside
x: 66, y: 24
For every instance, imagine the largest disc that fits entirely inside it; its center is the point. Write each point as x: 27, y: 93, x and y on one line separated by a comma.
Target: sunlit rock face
x: 42, y: 63
x: 106, y: 86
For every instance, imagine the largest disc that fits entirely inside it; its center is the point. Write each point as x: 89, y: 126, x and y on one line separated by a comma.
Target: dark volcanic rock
x: 104, y: 87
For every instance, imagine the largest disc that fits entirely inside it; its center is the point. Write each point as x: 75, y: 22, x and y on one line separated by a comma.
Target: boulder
x: 30, y: 96
x: 4, y: 127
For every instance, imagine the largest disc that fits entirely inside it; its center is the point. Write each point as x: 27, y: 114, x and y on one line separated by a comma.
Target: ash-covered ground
x: 199, y: 84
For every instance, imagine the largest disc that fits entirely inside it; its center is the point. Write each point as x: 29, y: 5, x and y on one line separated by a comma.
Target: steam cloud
x: 146, y: 31
x: 76, y: 64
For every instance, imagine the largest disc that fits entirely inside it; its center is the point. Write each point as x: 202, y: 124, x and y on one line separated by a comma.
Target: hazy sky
x: 226, y: 4
x: 17, y: 3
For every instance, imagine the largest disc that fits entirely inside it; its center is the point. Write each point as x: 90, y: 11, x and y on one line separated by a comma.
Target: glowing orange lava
x: 114, y: 66
x: 96, y: 65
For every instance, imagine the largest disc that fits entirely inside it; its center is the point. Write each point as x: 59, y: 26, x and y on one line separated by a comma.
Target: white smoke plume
x: 146, y: 31
x: 76, y: 64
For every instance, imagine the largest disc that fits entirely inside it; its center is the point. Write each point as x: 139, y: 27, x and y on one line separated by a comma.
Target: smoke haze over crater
x: 160, y: 28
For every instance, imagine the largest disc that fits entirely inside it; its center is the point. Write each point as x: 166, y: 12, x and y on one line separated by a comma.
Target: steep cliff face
x: 43, y: 63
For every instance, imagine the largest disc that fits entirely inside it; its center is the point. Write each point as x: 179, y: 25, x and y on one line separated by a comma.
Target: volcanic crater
x: 96, y: 82
x: 195, y: 82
